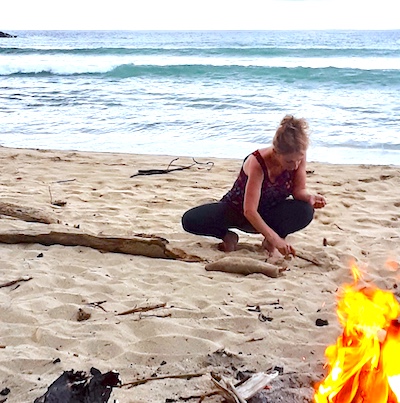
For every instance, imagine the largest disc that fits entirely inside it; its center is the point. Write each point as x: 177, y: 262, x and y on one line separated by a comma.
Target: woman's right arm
x: 255, y: 177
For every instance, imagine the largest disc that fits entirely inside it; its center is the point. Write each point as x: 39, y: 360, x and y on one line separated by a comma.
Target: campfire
x: 364, y: 364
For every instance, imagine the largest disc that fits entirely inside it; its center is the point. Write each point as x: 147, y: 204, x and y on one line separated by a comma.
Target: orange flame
x: 364, y: 364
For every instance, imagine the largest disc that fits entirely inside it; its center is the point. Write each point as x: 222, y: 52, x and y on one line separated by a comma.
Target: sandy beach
x: 185, y: 322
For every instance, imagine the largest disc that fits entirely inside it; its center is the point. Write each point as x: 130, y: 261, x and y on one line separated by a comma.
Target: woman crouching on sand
x: 260, y: 200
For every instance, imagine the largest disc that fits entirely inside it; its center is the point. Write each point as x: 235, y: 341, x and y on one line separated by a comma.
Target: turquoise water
x: 212, y: 93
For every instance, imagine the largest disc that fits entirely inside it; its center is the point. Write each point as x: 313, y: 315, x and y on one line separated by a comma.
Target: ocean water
x: 202, y: 93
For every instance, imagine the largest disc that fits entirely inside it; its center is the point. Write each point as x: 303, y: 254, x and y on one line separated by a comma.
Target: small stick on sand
x: 12, y: 282
x: 142, y: 381
x: 65, y: 180
x: 98, y: 304
x: 142, y: 309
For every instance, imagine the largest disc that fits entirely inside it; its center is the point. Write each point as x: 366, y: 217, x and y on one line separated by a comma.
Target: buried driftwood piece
x: 244, y: 265
x: 308, y: 259
x: 246, y: 390
x: 144, y: 245
x: 29, y: 214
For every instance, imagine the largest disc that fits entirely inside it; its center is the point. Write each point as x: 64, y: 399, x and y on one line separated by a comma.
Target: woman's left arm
x: 300, y: 189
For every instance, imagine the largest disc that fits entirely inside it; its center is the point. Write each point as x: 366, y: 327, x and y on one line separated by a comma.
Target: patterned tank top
x: 272, y: 193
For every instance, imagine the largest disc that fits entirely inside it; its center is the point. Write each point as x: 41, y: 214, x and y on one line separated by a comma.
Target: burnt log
x: 79, y: 387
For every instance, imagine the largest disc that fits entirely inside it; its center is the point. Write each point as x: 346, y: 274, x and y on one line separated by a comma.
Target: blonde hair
x: 291, y: 136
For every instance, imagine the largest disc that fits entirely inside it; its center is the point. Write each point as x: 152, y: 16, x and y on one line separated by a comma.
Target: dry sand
x: 208, y: 321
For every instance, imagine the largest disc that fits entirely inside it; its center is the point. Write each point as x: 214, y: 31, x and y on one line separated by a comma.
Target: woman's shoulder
x: 265, y: 152
x: 256, y: 162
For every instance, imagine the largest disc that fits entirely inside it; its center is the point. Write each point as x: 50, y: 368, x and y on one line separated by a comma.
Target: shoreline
x: 207, y: 321
x: 173, y: 156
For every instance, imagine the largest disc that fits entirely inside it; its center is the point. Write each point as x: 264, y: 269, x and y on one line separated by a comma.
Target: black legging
x: 215, y: 219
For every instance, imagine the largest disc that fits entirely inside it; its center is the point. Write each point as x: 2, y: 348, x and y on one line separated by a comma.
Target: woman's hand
x: 279, y: 243
x: 317, y: 201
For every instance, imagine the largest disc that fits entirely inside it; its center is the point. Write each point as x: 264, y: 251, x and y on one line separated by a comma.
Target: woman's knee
x: 207, y: 219
x: 189, y: 221
x: 198, y: 219
x: 291, y: 216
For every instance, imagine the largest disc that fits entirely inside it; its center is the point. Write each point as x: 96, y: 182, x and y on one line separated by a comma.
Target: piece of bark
x: 255, y: 383
x: 144, y: 245
x: 25, y: 213
x: 244, y: 265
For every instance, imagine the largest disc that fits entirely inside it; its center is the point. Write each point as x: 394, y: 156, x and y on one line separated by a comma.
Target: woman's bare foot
x: 229, y: 242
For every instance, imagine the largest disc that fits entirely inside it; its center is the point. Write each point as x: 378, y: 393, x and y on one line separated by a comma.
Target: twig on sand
x: 142, y: 309
x: 167, y: 315
x: 98, y: 304
x: 157, y: 378
x: 12, y: 282
x: 58, y: 203
x: 165, y: 171
x: 65, y: 180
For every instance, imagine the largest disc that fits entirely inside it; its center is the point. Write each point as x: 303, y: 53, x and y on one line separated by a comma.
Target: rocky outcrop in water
x: 5, y: 35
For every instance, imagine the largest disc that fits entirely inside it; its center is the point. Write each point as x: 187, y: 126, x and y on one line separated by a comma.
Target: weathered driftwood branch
x: 144, y: 245
x: 157, y: 378
x: 12, y: 282
x: 227, y: 390
x: 142, y: 309
x: 246, y: 390
x: 29, y: 214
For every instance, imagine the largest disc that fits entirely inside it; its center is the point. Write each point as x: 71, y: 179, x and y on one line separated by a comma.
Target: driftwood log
x: 144, y: 245
x: 244, y: 265
x: 29, y: 214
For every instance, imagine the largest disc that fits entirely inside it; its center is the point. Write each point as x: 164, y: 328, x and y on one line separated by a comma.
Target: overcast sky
x: 199, y: 14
